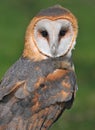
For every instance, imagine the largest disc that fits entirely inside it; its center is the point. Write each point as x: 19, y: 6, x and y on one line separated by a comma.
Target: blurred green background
x: 14, y: 18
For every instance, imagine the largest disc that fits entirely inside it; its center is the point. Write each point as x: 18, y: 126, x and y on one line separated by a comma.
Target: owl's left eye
x: 62, y: 33
x: 44, y: 33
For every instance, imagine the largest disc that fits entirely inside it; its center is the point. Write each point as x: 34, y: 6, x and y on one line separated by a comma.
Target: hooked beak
x: 53, y: 50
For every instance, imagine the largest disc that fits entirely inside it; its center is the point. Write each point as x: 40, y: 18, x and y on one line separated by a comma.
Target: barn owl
x: 36, y: 90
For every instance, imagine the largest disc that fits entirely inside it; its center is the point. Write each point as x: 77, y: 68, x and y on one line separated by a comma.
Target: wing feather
x: 34, y: 104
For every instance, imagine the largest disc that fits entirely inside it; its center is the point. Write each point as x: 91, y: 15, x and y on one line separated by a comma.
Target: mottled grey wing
x: 15, y: 77
x: 22, y: 109
x: 12, y: 79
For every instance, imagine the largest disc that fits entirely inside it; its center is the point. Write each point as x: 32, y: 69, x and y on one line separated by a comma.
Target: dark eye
x: 44, y: 33
x: 62, y: 33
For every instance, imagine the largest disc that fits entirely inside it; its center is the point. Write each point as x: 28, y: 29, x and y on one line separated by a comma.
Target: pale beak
x: 53, y: 50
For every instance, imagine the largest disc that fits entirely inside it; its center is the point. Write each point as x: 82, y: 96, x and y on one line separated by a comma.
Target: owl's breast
x: 38, y: 71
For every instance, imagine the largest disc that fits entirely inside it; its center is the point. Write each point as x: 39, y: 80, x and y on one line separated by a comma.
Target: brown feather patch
x: 57, y: 74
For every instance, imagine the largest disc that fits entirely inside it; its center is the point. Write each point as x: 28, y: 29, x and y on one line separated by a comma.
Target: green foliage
x: 14, y: 18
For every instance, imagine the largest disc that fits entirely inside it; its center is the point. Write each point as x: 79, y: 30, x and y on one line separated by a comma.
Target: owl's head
x: 51, y: 33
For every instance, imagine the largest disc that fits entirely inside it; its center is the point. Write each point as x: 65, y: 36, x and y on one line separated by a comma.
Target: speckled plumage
x: 36, y: 89
x: 46, y: 95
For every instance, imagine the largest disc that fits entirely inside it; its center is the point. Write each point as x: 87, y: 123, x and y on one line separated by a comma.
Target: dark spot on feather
x: 42, y: 85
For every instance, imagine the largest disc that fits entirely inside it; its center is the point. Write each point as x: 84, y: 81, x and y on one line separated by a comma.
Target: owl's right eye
x: 44, y: 33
